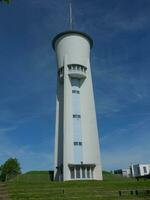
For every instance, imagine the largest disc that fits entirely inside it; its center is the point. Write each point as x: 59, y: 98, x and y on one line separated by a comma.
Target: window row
x: 77, y: 116
x: 77, y: 143
x: 81, y: 172
x: 76, y: 91
x: 72, y: 67
x: 77, y: 67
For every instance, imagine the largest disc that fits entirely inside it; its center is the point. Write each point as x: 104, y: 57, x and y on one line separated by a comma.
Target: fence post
x: 147, y: 191
x: 131, y: 192
x: 63, y: 191
x: 120, y: 193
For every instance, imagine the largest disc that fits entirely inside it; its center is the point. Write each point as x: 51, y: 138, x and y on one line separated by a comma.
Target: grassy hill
x: 35, y: 185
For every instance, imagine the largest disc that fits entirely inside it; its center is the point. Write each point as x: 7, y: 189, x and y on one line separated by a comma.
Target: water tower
x: 77, y: 152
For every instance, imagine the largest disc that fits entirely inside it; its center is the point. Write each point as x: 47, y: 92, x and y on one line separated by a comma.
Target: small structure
x: 140, y: 170
x: 135, y: 171
x: 122, y: 172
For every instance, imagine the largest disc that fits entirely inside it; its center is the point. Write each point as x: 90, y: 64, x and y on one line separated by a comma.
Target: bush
x: 10, y: 169
x: 7, y: 1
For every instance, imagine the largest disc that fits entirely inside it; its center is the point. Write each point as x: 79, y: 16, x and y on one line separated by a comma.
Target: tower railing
x: 77, y: 71
x: 74, y: 71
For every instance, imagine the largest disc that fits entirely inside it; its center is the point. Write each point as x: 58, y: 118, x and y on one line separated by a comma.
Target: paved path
x: 3, y: 192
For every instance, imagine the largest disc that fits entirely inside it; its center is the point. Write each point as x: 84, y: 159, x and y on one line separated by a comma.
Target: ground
x: 37, y: 186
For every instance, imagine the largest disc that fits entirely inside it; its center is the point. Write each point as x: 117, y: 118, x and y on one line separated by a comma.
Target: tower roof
x: 71, y: 32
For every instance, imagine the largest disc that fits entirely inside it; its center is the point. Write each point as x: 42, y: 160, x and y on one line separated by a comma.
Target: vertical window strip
x: 76, y: 120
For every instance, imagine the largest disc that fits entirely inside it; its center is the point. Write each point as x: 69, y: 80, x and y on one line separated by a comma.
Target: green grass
x: 36, y: 186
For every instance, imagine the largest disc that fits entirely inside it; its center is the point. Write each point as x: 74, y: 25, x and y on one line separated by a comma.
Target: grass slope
x: 36, y: 185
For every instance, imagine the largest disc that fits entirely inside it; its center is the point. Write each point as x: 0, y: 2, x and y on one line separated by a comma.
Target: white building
x: 123, y: 172
x: 140, y: 170
x: 77, y: 153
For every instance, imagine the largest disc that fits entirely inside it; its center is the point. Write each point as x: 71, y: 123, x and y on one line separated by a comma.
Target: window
x: 77, y: 143
x: 92, y: 173
x: 76, y: 116
x: 78, y: 172
x: 83, y: 172
x: 76, y: 91
x: 72, y: 173
x: 145, y: 170
x: 138, y: 170
x: 77, y: 67
x: 88, y: 172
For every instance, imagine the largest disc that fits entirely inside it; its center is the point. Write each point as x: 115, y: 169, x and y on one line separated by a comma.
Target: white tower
x: 77, y: 154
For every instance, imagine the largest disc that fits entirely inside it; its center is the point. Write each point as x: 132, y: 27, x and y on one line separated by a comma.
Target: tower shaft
x: 77, y: 153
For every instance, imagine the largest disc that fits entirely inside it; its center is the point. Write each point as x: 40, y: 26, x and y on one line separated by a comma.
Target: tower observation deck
x: 77, y: 152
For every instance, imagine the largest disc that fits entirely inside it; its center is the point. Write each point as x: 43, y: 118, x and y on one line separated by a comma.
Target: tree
x: 7, y: 1
x: 0, y: 171
x: 10, y: 169
x: 2, y: 177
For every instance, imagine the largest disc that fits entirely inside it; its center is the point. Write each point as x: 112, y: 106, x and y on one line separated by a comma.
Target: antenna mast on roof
x: 70, y: 15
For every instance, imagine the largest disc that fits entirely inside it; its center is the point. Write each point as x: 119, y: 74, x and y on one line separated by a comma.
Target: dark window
x: 88, y: 172
x: 92, y: 173
x: 83, y: 172
x: 77, y: 143
x: 76, y: 91
x: 145, y: 170
x: 78, y: 172
x: 85, y: 69
x: 72, y: 173
x: 76, y: 116
x: 138, y: 170
x: 77, y: 67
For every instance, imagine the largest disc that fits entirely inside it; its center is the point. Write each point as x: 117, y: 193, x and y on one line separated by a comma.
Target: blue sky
x: 120, y: 68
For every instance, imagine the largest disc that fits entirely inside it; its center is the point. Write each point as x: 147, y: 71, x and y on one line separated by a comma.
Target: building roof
x: 71, y: 32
